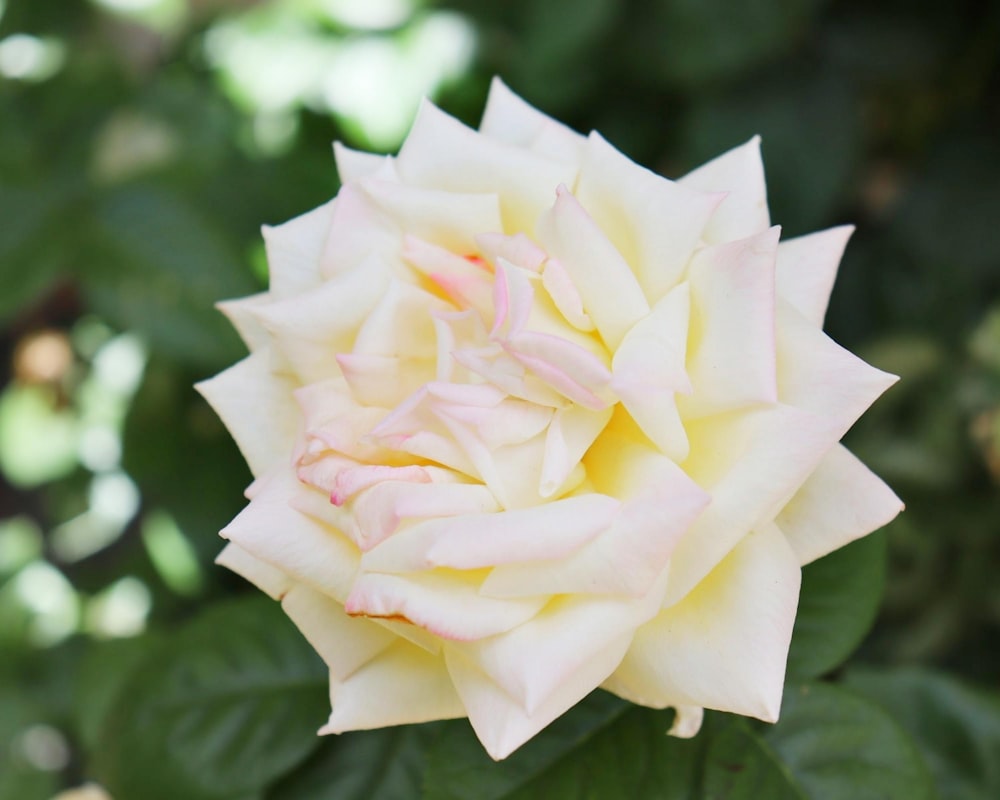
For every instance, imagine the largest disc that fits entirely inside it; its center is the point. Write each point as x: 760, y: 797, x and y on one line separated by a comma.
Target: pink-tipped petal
x: 806, y: 268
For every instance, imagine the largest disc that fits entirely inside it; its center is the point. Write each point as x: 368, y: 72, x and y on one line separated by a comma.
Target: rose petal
x: 731, y: 344
x: 353, y: 165
x: 510, y: 119
x: 346, y: 644
x: 724, y: 647
x: 241, y: 314
x: 740, y: 173
x: 403, y: 685
x: 806, y: 268
x: 442, y: 153
x: 653, y: 222
x: 649, y: 369
x: 308, y: 551
x: 294, y: 250
x: 247, y: 393
x: 266, y: 577
x: 841, y: 501
x: 447, y: 605
x: 611, y: 295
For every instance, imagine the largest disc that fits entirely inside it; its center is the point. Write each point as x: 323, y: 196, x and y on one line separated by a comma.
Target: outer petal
x: 725, y: 645
x: 441, y: 153
x: 732, y: 328
x: 806, y: 268
x: 740, y: 173
x: 344, y: 643
x: 654, y: 223
x: 269, y: 579
x: 510, y: 119
x: 842, y: 501
x: 306, y: 549
x: 404, y: 684
x: 294, y: 249
x: 500, y: 722
x: 352, y: 165
x: 610, y: 293
x: 240, y: 314
x: 247, y: 394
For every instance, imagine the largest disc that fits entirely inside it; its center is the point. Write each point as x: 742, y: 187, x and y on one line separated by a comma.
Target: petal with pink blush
x: 841, y: 501
x: 474, y: 541
x: 380, y: 509
x: 384, y: 381
x: 731, y: 346
x: 517, y: 249
x: 310, y: 330
x: 447, y: 605
x: 570, y: 434
x: 559, y: 285
x: 247, y: 393
x: 466, y: 283
x: 740, y: 174
x: 611, y: 295
x: 309, y: 551
x: 358, y: 231
x: 654, y: 223
x: 725, y: 645
x: 568, y: 368
x: 404, y: 684
x: 806, y: 268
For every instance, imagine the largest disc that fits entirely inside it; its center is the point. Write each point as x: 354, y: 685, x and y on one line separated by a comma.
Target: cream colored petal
x: 841, y: 501
x: 240, y: 313
x: 649, y: 369
x: 510, y: 119
x: 353, y: 165
x: 359, y: 231
x: 258, y: 408
x: 654, y: 223
x: 448, y: 219
x: 570, y: 434
x: 806, y: 269
x: 294, y: 250
x: 740, y: 173
x: 312, y: 329
x: 403, y: 685
x: 731, y: 359
x: 472, y: 541
x: 441, y: 153
x: 271, y: 529
x: 725, y: 645
x: 266, y: 577
x: 442, y: 603
x: 500, y: 722
x: 610, y: 292
x: 346, y: 644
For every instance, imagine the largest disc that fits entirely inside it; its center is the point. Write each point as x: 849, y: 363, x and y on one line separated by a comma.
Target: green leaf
x: 225, y: 707
x: 383, y: 764
x: 837, y: 606
x: 167, y: 266
x: 835, y: 745
x: 956, y: 726
x: 104, y: 670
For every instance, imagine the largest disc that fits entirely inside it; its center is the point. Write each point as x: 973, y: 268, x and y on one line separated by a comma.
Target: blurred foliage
x: 142, y: 143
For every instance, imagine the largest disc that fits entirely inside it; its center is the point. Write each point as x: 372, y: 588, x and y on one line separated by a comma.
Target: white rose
x: 528, y: 419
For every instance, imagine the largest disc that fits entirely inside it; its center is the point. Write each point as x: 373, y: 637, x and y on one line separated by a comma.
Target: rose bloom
x: 527, y: 419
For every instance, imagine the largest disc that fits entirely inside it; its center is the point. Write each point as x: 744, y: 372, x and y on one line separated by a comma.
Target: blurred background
x: 143, y: 143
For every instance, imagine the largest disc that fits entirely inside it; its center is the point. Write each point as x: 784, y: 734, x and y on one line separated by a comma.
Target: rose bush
x: 527, y: 419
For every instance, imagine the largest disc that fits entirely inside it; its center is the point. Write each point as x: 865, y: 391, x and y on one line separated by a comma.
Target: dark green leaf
x: 837, y: 745
x: 957, y: 727
x: 232, y: 703
x: 837, y: 606
x: 384, y: 764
